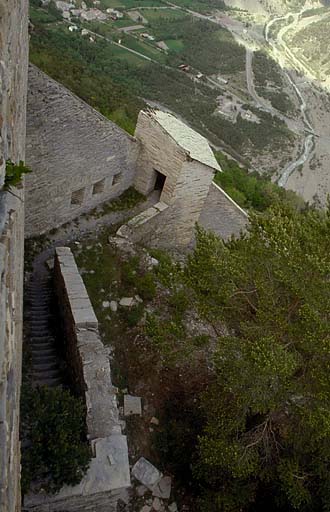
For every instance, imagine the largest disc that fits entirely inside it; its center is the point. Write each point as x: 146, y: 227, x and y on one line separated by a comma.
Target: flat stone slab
x: 146, y: 473
x: 132, y: 405
x: 126, y: 302
x: 163, y: 488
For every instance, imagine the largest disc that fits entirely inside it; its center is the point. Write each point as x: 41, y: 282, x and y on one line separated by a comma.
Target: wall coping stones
x: 80, y: 304
x: 243, y: 212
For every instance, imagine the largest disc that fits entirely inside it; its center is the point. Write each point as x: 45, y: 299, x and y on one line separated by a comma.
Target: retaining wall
x: 78, y: 157
x: 88, y: 360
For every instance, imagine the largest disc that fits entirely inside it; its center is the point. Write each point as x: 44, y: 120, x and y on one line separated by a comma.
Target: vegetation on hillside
x: 262, y: 421
x: 270, y: 83
x: 267, y: 434
x: 115, y: 82
x: 251, y: 190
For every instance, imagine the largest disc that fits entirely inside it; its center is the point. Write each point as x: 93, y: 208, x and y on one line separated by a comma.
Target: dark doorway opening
x: 160, y: 181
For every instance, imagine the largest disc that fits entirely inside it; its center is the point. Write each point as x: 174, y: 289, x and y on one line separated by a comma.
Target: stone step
x: 44, y: 354
x: 50, y: 382
x: 44, y: 358
x: 38, y: 293
x: 35, y: 338
x: 40, y: 333
x: 41, y: 323
x: 48, y: 374
x: 43, y: 309
x: 41, y: 346
x: 48, y: 364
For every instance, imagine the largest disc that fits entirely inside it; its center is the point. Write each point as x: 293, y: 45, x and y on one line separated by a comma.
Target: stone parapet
x: 222, y: 215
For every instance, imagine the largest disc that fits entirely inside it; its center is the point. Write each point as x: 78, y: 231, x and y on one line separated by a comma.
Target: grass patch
x: 144, y: 48
x: 128, y: 199
x: 250, y: 190
x: 175, y: 45
x: 167, y: 15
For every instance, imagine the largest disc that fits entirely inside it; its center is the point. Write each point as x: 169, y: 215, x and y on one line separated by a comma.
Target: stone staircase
x: 45, y: 363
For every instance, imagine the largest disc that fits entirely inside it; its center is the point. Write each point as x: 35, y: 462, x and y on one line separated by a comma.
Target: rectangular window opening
x: 116, y: 179
x: 77, y: 197
x: 98, y: 187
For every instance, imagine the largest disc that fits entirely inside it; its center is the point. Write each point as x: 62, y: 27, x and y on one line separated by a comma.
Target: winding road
x: 286, y: 55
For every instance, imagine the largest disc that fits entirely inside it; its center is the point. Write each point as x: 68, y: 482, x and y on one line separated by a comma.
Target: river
x: 309, y: 130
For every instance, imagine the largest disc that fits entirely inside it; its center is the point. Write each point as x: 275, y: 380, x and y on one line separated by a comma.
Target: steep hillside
x: 274, y: 6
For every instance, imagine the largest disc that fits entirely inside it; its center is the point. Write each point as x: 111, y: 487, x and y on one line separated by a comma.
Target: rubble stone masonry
x: 78, y: 157
x: 13, y: 89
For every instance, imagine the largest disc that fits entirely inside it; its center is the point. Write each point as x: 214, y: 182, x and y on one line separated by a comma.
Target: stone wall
x: 13, y: 87
x: 222, y: 215
x: 108, y: 474
x: 78, y: 157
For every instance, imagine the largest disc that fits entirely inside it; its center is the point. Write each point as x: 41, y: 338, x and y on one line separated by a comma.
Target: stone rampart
x: 222, y: 215
x: 13, y: 87
x: 88, y: 362
x: 78, y: 157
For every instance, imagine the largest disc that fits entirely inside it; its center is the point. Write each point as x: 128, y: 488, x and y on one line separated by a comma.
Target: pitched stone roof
x: 192, y: 142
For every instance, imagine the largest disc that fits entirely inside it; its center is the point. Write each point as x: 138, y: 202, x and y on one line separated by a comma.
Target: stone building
x: 81, y: 159
x: 179, y: 163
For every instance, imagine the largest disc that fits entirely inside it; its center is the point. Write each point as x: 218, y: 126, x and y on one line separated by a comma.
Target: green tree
x: 266, y: 444
x: 55, y: 449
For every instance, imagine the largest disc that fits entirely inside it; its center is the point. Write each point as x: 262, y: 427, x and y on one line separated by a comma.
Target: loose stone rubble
x: 146, y: 473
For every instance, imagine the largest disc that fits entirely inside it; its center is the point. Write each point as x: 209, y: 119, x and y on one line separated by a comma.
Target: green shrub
x: 133, y: 315
x: 14, y: 174
x: 179, y: 302
x: 53, y: 426
x: 250, y: 190
x: 146, y: 286
x: 129, y: 272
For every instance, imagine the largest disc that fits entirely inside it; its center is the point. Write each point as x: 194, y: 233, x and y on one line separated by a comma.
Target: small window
x: 98, y: 187
x: 77, y: 197
x: 116, y: 179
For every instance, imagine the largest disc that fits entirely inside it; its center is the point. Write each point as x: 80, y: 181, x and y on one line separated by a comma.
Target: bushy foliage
x: 251, y: 190
x: 53, y: 425
x: 267, y: 437
x: 14, y: 174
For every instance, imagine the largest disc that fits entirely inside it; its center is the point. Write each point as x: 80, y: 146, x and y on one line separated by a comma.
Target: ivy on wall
x: 14, y: 174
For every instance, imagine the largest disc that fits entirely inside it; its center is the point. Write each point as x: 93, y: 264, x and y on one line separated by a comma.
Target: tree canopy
x: 266, y: 442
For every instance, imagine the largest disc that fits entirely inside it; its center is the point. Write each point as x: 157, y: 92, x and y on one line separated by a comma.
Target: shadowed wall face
x: 13, y: 88
x: 78, y: 157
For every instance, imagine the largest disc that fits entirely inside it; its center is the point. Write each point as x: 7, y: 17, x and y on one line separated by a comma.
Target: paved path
x: 131, y: 28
